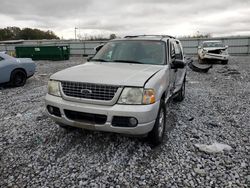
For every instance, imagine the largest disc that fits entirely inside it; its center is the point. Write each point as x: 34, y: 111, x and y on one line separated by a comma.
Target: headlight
x: 137, y: 96
x: 204, y: 51
x: 53, y: 88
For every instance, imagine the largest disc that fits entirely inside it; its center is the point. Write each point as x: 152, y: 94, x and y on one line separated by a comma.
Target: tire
x: 18, y: 78
x: 181, y: 93
x: 156, y: 135
x: 224, y: 62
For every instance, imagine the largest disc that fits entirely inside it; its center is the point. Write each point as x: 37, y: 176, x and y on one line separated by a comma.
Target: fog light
x: 133, y: 121
x: 54, y: 111
x: 50, y: 109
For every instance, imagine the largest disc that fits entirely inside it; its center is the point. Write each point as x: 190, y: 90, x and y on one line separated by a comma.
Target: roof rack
x: 162, y: 36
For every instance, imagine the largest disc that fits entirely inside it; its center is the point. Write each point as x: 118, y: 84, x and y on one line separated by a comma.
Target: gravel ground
x: 35, y: 152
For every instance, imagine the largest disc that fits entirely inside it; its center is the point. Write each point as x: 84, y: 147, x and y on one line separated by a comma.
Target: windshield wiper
x: 127, y: 61
x: 101, y: 60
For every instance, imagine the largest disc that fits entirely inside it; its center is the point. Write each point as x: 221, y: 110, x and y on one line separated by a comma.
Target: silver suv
x: 124, y: 88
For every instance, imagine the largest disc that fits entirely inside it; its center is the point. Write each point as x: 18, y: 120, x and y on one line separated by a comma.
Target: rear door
x: 172, y: 71
x: 180, y: 73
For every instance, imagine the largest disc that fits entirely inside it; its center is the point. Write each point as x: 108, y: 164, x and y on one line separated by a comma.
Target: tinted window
x: 172, y: 50
x: 178, y: 50
x: 146, y: 52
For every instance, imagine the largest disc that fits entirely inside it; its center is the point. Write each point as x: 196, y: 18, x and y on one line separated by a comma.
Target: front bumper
x: 215, y: 56
x: 145, y: 114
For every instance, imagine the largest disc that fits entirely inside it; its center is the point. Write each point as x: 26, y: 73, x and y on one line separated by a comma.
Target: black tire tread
x: 12, y: 77
x: 153, y: 134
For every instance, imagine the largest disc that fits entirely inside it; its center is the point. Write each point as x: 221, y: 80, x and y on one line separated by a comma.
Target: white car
x: 213, y: 50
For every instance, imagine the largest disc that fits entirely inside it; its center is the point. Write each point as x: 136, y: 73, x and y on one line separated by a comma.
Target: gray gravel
x: 34, y: 152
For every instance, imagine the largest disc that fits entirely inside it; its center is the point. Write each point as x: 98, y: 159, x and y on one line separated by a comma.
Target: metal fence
x: 237, y: 45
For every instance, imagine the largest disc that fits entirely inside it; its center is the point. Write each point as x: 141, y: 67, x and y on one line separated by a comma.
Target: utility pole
x: 75, y: 32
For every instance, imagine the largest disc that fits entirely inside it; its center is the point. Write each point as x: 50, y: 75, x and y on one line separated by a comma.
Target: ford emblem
x: 86, y: 91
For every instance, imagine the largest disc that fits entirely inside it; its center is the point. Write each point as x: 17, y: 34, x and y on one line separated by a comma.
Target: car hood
x: 123, y: 74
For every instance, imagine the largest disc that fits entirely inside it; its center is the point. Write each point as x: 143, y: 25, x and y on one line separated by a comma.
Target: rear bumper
x: 145, y: 114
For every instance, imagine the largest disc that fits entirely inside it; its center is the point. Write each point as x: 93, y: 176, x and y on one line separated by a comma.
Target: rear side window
x: 172, y: 51
x: 178, y: 51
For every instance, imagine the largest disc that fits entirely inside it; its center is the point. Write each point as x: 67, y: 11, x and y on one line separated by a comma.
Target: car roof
x: 146, y: 37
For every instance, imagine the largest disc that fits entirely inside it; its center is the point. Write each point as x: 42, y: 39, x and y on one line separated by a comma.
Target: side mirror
x: 98, y: 47
x: 178, y: 64
x: 89, y: 58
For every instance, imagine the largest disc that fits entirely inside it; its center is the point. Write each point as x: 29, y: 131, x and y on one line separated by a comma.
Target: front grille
x: 89, y: 90
x: 85, y: 117
x: 215, y: 51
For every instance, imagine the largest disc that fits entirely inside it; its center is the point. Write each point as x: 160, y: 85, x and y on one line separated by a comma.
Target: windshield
x: 140, y: 52
x: 213, y: 44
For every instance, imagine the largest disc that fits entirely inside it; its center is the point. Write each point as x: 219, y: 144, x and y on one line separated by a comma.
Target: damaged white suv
x: 124, y: 88
x: 213, y: 50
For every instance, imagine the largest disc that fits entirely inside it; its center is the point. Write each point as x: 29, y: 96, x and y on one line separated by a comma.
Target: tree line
x: 96, y: 37
x: 15, y: 33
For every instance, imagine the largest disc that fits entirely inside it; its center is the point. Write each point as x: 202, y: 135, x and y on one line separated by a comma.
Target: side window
x: 178, y: 51
x: 1, y: 58
x: 106, y: 52
x: 172, y: 51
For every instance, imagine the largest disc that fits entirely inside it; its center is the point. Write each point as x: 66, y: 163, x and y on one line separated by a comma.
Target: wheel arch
x: 19, y: 69
x: 16, y: 69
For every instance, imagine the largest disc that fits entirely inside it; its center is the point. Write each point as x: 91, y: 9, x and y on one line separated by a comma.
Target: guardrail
x: 237, y: 45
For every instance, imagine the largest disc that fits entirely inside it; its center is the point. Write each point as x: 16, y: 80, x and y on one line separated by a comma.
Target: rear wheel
x: 18, y: 78
x: 181, y: 93
x: 224, y: 62
x: 156, y: 135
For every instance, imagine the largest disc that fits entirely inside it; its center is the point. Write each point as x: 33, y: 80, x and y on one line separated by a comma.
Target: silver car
x: 15, y: 70
x: 124, y: 88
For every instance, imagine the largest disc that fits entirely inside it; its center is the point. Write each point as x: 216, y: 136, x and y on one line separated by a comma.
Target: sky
x: 129, y: 17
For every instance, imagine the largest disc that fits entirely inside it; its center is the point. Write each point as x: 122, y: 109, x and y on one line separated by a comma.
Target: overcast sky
x: 127, y: 17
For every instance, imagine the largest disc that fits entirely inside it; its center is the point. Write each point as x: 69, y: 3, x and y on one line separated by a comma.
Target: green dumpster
x: 43, y: 52
x: 66, y: 52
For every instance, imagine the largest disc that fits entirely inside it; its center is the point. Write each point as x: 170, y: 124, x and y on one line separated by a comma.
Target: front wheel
x: 156, y: 135
x: 199, y: 59
x: 224, y: 62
